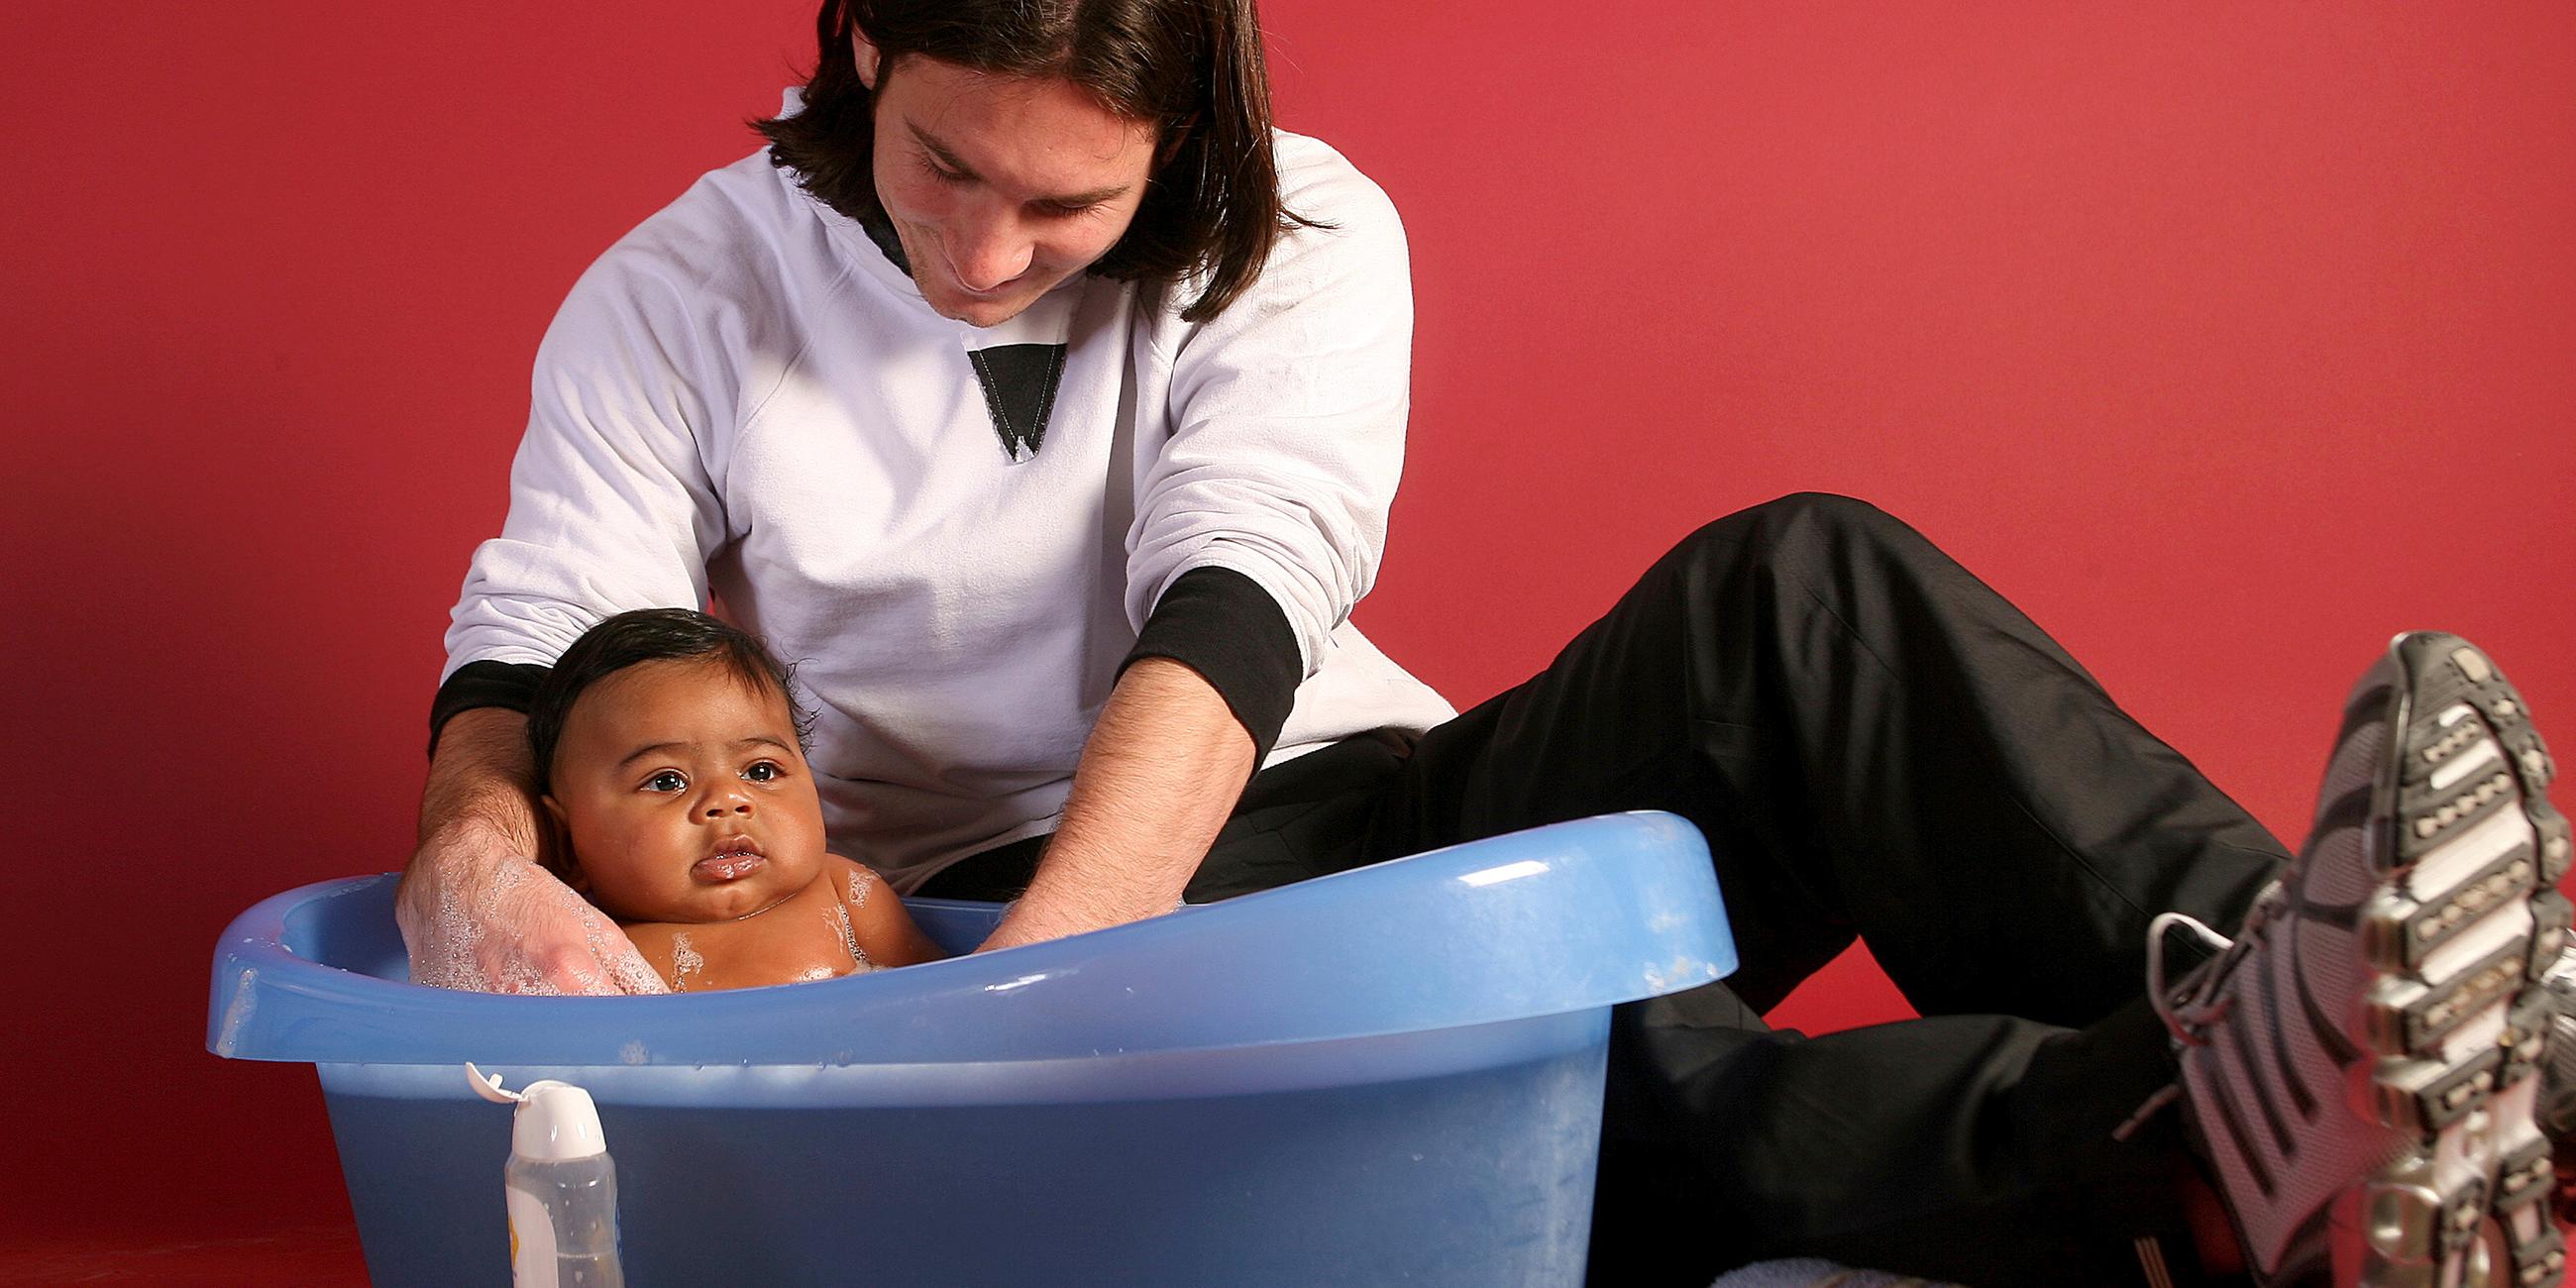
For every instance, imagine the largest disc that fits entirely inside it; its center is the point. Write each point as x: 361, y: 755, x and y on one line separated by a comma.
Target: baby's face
x: 685, y: 795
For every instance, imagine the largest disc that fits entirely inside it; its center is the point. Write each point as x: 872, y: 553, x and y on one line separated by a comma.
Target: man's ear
x: 865, y: 51
x: 1171, y: 146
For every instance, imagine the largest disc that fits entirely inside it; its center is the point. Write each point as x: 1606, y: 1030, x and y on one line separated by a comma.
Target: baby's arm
x: 885, y: 931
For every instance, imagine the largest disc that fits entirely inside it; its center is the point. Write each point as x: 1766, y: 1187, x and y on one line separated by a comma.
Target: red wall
x: 2227, y: 338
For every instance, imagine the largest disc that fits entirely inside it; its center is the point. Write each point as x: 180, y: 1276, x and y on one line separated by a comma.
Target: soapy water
x: 523, y: 932
x: 839, y: 916
x: 686, y: 963
x: 861, y: 882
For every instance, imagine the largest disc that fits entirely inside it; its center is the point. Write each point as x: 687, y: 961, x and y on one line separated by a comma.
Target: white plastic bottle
x: 560, y: 1186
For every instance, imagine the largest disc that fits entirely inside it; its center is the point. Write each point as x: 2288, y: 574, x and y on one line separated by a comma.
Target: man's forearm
x: 481, y: 777
x: 1162, y: 771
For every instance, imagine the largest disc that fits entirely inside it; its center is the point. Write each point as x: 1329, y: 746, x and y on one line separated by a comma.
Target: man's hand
x: 477, y: 916
x: 476, y: 911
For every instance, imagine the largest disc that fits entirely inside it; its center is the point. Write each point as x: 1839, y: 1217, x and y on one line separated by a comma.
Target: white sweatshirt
x: 744, y: 397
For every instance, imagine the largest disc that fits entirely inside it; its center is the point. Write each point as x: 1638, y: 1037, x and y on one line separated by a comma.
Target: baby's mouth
x: 735, y: 858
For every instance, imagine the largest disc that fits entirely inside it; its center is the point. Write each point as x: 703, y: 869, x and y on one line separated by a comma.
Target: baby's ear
x: 556, y: 843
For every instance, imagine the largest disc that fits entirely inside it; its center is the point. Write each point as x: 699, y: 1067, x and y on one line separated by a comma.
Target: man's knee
x: 1827, y: 513
x: 1802, y: 521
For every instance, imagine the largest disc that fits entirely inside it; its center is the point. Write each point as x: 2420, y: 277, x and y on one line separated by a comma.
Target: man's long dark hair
x: 1191, y: 67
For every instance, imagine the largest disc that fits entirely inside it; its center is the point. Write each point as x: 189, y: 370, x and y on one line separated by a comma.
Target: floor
x: 319, y: 1257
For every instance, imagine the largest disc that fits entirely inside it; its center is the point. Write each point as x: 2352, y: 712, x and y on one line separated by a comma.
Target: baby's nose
x: 727, y: 800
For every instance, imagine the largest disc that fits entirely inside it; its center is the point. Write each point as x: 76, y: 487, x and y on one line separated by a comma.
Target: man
x: 1048, y: 408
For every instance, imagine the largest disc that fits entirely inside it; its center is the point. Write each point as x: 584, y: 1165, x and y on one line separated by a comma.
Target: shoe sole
x: 2461, y: 836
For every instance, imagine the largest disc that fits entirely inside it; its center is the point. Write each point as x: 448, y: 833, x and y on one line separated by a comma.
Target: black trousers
x: 1876, y: 745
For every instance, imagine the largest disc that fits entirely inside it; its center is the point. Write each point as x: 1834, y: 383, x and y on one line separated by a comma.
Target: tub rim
x: 1566, y: 917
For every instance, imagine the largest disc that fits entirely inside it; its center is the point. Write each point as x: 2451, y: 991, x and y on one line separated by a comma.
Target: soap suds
x: 840, y: 919
x: 686, y: 964
x: 462, y: 950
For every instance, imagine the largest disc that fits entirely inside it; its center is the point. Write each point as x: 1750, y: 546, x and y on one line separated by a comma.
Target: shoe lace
x: 2190, y: 1014
x: 2187, y: 1015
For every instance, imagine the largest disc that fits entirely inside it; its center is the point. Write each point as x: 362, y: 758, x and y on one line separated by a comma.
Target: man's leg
x: 1875, y: 743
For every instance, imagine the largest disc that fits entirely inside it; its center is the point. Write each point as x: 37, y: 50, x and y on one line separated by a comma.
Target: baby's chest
x: 787, y: 946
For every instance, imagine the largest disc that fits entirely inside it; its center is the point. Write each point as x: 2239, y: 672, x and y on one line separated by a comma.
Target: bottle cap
x: 554, y: 1121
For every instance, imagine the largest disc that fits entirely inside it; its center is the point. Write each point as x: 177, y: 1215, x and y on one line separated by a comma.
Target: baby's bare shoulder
x: 884, y: 931
x: 850, y: 877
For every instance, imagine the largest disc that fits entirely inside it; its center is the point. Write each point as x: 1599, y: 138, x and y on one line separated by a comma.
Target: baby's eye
x: 764, y: 771
x: 669, y: 780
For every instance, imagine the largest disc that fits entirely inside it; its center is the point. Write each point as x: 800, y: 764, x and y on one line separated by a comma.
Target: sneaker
x: 2557, y: 1111
x: 2557, y: 1097
x: 2359, y: 1063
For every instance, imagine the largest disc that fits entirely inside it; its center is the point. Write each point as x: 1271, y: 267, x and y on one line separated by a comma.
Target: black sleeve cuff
x: 1223, y: 625
x: 509, y: 685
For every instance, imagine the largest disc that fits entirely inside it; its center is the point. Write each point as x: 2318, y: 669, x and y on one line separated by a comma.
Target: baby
x: 671, y: 763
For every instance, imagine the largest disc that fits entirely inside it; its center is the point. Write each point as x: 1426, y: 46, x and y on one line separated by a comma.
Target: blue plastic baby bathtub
x: 1391, y: 1075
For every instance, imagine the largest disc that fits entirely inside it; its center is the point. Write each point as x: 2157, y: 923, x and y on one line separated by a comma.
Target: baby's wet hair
x: 651, y: 635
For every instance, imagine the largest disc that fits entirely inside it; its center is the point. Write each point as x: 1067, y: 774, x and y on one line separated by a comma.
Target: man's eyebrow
x: 940, y: 150
x: 756, y: 740
x: 950, y: 160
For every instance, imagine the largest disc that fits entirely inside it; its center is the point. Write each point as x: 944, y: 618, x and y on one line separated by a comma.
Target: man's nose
x: 988, y: 251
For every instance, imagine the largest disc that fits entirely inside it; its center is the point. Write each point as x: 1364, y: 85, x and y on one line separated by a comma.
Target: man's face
x: 685, y: 795
x: 999, y: 188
